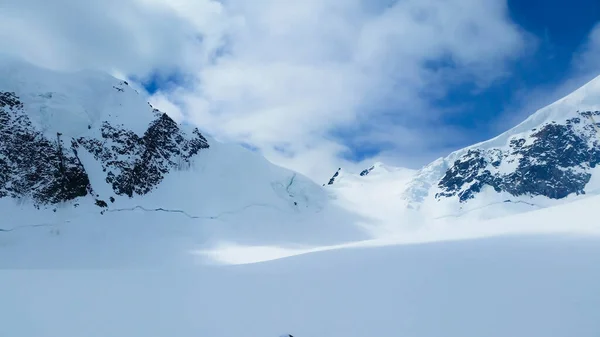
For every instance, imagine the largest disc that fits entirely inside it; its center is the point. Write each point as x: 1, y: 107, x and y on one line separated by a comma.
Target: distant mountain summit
x: 552, y: 156
x: 554, y: 160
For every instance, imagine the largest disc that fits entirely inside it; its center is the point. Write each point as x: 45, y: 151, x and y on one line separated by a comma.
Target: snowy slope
x: 518, y: 287
x: 540, y: 281
x: 88, y: 166
x: 551, y: 158
x: 375, y: 194
x: 557, y: 220
x: 85, y: 149
x: 149, y: 240
x: 205, y: 214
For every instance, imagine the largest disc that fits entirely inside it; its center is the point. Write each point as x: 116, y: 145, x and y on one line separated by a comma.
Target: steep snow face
x: 85, y: 148
x: 550, y: 157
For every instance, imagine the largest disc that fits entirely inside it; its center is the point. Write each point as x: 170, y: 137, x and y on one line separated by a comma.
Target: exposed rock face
x: 553, y: 161
x: 49, y: 171
x: 33, y: 166
x: 367, y: 171
x: 335, y: 175
x: 135, y: 165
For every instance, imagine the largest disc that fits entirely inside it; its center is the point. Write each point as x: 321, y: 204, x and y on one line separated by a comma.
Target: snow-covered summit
x: 86, y: 143
x: 73, y: 102
x: 552, y: 155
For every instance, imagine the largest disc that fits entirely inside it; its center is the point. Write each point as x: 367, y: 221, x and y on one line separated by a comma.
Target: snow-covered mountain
x: 551, y: 157
x: 91, y: 176
x: 87, y: 148
x: 86, y: 164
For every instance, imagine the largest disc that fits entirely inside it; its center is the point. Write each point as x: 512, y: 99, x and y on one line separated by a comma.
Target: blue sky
x: 560, y: 29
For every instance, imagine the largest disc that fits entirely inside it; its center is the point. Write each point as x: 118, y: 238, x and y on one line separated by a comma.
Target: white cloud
x: 113, y: 35
x: 159, y: 101
x: 588, y: 59
x: 281, y: 75
x: 291, y: 73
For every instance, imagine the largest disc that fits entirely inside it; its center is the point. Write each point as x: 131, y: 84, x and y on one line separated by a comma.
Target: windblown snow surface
x: 518, y: 286
x: 234, y: 246
x: 530, y: 274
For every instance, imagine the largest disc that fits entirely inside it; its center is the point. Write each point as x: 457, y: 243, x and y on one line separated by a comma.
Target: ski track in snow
x: 458, y: 215
x: 535, y: 222
x: 191, y: 216
x: 7, y: 230
x: 142, y: 208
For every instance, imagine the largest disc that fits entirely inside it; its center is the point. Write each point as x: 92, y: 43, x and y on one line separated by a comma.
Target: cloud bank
x: 312, y: 84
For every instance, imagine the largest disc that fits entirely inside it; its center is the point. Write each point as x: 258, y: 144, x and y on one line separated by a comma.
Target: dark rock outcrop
x: 32, y: 165
x: 367, y: 171
x: 134, y: 164
x: 49, y: 171
x: 554, y: 163
x: 335, y: 175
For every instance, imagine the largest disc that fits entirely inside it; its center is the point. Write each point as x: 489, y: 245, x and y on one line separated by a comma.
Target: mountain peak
x: 552, y: 155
